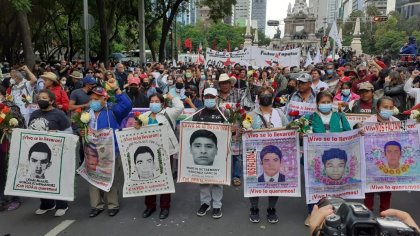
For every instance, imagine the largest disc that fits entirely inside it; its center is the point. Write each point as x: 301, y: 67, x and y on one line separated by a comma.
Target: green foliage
x: 21, y: 5
x: 219, y: 8
x: 390, y: 40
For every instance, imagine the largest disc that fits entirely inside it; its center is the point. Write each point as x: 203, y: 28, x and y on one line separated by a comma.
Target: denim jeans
x: 237, y: 166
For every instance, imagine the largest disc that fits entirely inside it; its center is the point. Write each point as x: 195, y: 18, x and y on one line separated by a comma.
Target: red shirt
x: 61, y: 97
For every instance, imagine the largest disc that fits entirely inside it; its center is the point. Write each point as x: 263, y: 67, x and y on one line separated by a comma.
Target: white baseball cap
x: 211, y: 91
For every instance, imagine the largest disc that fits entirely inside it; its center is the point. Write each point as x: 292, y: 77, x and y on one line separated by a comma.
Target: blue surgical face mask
x: 330, y: 72
x: 155, y: 107
x: 210, y: 102
x: 203, y: 77
x: 345, y: 92
x: 325, y: 108
x: 95, y: 105
x: 386, y: 114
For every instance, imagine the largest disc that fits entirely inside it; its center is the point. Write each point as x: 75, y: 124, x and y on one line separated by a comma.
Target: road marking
x: 62, y: 226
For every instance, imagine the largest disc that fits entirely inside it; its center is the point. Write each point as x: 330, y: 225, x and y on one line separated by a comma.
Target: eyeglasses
x: 90, y: 72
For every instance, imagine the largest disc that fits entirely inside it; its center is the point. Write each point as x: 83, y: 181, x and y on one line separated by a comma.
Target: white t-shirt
x: 18, y: 90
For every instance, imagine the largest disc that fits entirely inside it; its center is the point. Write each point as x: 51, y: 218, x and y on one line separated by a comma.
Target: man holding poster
x: 302, y: 102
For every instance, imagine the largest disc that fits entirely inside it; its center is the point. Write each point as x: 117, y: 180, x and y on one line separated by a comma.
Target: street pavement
x: 181, y: 221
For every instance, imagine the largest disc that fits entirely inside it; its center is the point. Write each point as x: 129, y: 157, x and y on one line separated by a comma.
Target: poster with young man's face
x: 145, y: 160
x: 42, y: 164
x: 204, y: 153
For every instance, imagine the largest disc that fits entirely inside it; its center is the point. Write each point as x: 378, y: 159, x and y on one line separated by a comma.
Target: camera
x: 352, y: 218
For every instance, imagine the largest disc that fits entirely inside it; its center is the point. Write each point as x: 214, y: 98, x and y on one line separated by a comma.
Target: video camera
x: 351, y: 218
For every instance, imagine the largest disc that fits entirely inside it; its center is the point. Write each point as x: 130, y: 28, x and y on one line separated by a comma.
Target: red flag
x: 214, y: 44
x: 188, y: 44
x: 228, y: 45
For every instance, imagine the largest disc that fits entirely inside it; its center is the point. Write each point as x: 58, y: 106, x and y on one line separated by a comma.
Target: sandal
x: 236, y: 182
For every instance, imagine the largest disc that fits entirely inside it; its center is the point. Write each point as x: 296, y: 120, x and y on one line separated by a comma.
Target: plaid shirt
x: 296, y: 97
x: 235, y: 96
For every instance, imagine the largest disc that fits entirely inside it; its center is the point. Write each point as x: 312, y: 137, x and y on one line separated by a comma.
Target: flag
x: 317, y: 58
x: 200, y: 48
x: 335, y: 35
x: 308, y: 59
x: 188, y: 44
x: 214, y: 44
x: 228, y: 46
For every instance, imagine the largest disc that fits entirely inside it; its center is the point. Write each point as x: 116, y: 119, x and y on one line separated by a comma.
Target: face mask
x: 146, y: 85
x: 170, y: 82
x: 290, y: 88
x: 12, y: 82
x: 210, y: 102
x: 161, y: 71
x: 155, y: 107
x: 179, y: 85
x: 187, y: 94
x: 265, y: 100
x: 330, y: 72
x: 213, y: 76
x: 188, y: 75
x: 63, y: 82
x: 95, y: 105
x: 325, y: 108
x: 386, y: 114
x: 203, y: 77
x: 133, y: 90
x: 345, y: 92
x: 43, y: 104
x: 361, y: 73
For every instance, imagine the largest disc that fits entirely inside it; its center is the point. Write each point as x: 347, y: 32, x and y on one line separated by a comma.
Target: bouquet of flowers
x: 141, y: 119
x: 234, y: 115
x: 7, y: 121
x: 26, y: 99
x: 247, y: 122
x: 81, y: 119
x: 415, y: 115
x: 302, y: 124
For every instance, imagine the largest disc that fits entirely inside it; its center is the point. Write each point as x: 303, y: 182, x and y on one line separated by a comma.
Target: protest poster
x: 304, y: 108
x: 204, y: 155
x: 145, y: 161
x: 334, y: 165
x: 99, y: 165
x: 271, y: 163
x: 392, y: 156
x: 41, y: 165
x: 264, y: 57
x: 225, y: 59
x: 353, y: 119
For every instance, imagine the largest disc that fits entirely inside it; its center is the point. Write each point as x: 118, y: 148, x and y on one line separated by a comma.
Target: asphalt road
x: 181, y: 221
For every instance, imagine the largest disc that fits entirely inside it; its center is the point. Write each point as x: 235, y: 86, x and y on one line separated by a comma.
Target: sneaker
x: 307, y: 220
x: 13, y: 206
x: 272, y: 216
x: 61, y: 212
x: 43, y: 211
x: 254, y: 216
x: 204, y: 208
x: 217, y: 213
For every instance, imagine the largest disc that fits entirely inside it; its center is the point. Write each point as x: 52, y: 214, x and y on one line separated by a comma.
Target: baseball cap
x: 211, y: 91
x: 345, y: 79
x: 100, y: 91
x: 134, y: 80
x: 365, y: 86
x: 305, y: 77
x: 89, y: 80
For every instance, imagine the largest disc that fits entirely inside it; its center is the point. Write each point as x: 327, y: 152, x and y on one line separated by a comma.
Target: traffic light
x: 380, y: 18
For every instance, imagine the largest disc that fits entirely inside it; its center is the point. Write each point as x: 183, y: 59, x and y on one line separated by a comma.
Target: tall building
x: 410, y: 9
x: 242, y: 11
x: 259, y: 13
x: 358, y: 5
x: 319, y: 8
x: 379, y: 4
x: 390, y: 6
x: 189, y: 15
x: 346, y: 9
x: 332, y: 10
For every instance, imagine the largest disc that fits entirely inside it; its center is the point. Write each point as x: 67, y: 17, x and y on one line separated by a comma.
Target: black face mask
x: 290, y: 88
x: 43, y: 104
x: 188, y: 94
x: 146, y: 85
x: 179, y: 85
x: 266, y: 100
x: 133, y: 91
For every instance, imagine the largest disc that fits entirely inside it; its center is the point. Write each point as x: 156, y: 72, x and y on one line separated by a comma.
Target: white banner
x: 145, y: 160
x: 41, y: 165
x: 204, y: 155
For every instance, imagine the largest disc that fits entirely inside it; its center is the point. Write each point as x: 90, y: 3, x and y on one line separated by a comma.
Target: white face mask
x: 63, y: 82
x: 12, y: 81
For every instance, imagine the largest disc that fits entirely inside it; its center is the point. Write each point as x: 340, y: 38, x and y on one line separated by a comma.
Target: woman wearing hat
x: 52, y: 83
x: 325, y: 120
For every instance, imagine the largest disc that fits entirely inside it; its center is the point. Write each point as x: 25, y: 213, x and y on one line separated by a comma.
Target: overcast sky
x: 276, y: 10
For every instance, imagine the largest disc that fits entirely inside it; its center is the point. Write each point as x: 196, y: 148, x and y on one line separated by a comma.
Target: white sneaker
x: 61, y: 212
x: 307, y: 220
x: 42, y: 211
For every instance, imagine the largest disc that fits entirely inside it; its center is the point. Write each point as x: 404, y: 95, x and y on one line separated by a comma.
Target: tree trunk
x: 150, y: 43
x: 103, y: 29
x: 25, y: 34
x: 165, y: 30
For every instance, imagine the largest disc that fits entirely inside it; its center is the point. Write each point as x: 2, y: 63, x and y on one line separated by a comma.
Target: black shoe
x: 94, y: 212
x: 113, y: 212
x: 203, y: 210
x: 271, y: 216
x: 164, y: 213
x: 254, y: 216
x: 148, y: 212
x: 217, y: 213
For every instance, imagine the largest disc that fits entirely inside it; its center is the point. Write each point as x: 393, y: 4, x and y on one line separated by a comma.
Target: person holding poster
x: 325, y: 120
x: 104, y: 116
x: 47, y: 118
x: 160, y: 114
x: 267, y: 117
x: 305, y: 94
x: 384, y: 111
x: 210, y: 113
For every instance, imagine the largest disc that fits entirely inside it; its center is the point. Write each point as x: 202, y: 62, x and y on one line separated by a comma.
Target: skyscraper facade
x: 259, y: 13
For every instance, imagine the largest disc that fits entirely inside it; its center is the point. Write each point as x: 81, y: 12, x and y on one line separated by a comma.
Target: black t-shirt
x: 49, y: 120
x: 80, y: 97
x: 209, y: 115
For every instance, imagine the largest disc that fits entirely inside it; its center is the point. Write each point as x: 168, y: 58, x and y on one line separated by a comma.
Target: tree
x: 219, y: 9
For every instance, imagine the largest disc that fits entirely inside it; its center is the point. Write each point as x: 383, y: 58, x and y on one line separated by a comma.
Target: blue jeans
x: 237, y: 166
